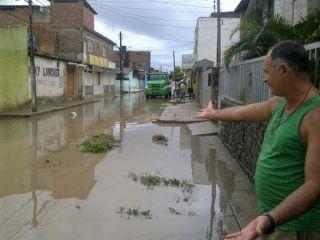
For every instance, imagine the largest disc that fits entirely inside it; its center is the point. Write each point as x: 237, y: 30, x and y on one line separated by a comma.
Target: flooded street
x: 49, y: 189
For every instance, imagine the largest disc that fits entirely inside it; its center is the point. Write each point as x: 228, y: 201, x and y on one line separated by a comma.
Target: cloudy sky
x: 159, y: 26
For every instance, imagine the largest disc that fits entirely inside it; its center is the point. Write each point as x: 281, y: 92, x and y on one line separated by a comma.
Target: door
x: 70, y: 83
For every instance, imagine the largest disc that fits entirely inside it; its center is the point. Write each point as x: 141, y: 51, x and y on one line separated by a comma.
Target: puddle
x: 51, y: 190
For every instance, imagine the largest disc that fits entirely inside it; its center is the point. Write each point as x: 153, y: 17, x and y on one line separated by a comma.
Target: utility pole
x: 121, y: 65
x: 174, y: 77
x: 174, y: 60
x: 218, y: 35
x: 215, y: 77
x: 32, y: 67
x: 292, y: 17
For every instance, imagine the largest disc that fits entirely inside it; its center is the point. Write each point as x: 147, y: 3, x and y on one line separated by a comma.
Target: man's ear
x: 283, y: 68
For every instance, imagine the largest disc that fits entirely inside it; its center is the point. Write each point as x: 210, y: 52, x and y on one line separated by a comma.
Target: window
x: 209, y: 79
x: 104, y: 51
x: 90, y: 46
x: 135, y: 73
x: 157, y: 77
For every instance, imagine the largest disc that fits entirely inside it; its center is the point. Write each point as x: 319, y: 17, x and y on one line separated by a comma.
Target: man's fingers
x: 200, y: 113
x: 233, y: 235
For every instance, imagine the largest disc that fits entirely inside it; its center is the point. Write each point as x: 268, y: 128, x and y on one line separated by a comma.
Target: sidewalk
x: 180, y: 113
x: 48, y: 108
x: 238, y: 205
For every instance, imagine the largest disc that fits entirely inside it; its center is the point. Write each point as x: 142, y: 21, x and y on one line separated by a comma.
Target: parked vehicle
x: 158, y: 85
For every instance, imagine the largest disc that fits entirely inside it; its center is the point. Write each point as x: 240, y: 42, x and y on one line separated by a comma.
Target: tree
x: 261, y: 35
x: 176, y: 75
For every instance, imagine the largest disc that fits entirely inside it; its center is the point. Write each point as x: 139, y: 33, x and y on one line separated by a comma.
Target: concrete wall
x: 91, y: 86
x: 206, y: 37
x: 87, y: 84
x: 293, y: 11
x: 13, y: 68
x: 205, y: 90
x: 109, y: 82
x: 243, y: 141
x: 97, y: 85
x: 50, y: 79
x: 45, y: 39
x: 187, y: 61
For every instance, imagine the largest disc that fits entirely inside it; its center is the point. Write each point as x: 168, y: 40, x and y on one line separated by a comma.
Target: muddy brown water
x: 50, y: 190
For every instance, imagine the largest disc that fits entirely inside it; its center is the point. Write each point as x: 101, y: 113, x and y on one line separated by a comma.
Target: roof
x: 75, y: 1
x: 242, y: 6
x: 12, y: 7
x: 99, y: 35
x: 226, y: 15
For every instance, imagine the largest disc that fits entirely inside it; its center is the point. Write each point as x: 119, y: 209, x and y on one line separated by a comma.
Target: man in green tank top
x: 287, y: 175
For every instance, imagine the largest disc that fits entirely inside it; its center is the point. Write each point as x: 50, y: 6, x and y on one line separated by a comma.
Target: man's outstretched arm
x: 306, y: 196
x: 257, y: 112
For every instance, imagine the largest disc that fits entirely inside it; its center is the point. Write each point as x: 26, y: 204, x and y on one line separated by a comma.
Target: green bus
x: 158, y: 85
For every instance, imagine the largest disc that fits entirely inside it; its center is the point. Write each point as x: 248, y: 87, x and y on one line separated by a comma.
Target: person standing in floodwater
x: 183, y: 91
x: 287, y: 177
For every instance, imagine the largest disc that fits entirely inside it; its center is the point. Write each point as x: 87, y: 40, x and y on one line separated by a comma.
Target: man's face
x: 273, y: 76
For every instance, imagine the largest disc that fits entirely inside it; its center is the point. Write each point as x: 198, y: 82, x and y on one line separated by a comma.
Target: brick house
x: 136, y: 64
x: 65, y: 30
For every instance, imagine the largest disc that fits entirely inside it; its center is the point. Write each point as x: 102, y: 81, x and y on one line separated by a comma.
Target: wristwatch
x: 272, y: 225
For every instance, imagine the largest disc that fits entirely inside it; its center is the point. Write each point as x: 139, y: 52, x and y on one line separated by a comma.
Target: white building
x: 294, y: 10
x: 206, y: 35
x: 187, y: 61
x: 205, y: 52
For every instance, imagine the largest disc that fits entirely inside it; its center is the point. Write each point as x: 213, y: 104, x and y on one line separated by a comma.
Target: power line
x: 139, y: 20
x: 148, y: 9
x: 157, y: 2
x: 161, y: 19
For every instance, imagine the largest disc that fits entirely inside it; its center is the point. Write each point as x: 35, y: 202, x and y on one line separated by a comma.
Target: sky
x: 159, y: 26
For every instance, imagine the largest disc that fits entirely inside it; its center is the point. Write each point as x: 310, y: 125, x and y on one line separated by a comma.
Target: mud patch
x: 134, y: 212
x: 160, y: 139
x: 99, y: 143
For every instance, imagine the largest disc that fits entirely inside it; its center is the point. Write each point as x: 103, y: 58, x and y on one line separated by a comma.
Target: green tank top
x: 280, y: 166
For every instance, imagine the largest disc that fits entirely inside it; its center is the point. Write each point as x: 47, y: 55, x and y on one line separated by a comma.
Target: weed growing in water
x: 135, y: 212
x: 99, y: 143
x: 152, y: 181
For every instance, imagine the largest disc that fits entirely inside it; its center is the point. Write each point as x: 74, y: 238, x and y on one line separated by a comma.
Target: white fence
x: 245, y: 81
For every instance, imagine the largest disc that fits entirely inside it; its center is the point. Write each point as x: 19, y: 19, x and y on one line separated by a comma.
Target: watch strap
x: 272, y: 225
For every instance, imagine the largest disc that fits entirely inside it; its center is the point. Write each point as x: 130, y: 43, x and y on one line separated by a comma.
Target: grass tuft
x: 99, y: 143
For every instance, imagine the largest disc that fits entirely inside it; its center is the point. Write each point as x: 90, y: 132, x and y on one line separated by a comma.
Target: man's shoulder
x: 311, y: 121
x: 313, y: 116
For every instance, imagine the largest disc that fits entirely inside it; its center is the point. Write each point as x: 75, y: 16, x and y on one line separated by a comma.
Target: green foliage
x: 176, y: 75
x: 99, y: 143
x: 308, y: 29
x: 260, y: 35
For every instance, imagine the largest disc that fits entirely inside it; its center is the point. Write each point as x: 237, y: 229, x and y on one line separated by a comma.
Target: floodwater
x: 51, y: 190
